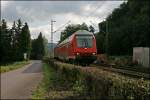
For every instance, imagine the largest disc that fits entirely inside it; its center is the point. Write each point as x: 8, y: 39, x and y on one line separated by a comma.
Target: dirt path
x: 19, y: 84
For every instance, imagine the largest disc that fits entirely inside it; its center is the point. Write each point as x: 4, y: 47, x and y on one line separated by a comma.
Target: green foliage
x: 38, y: 47
x: 125, y: 62
x: 54, y: 84
x: 14, y: 42
x: 17, y: 34
x: 127, y: 27
x: 93, y: 83
x: 91, y: 29
x: 5, y: 43
x: 100, y: 41
x: 79, y: 86
x: 25, y: 42
x: 70, y: 29
x: 40, y: 44
x: 42, y: 89
x: 46, y: 52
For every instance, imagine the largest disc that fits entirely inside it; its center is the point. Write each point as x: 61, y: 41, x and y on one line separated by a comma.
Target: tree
x: 40, y: 42
x: 100, y: 41
x: 45, y: 46
x: 33, y: 49
x: 91, y: 29
x: 101, y: 38
x: 38, y: 47
x: 128, y: 26
x: 25, y: 42
x: 19, y: 55
x: 70, y: 29
x: 5, y: 42
x: 14, y: 42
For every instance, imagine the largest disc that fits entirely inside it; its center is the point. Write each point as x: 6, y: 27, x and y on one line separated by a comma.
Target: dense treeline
x: 14, y: 42
x: 39, y: 47
x: 128, y: 26
x: 70, y: 29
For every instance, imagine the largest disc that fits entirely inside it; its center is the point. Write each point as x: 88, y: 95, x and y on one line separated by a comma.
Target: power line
x: 95, y: 9
x: 62, y: 26
x: 70, y: 21
x: 94, y: 25
x: 59, y: 29
x: 92, y: 3
x: 105, y: 18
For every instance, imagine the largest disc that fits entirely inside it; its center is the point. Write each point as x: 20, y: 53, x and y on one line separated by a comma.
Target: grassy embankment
x: 52, y: 85
x: 122, y: 62
x: 41, y: 90
x: 64, y: 81
x: 13, y: 66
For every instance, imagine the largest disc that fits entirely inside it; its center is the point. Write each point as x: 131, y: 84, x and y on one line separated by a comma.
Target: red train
x: 79, y: 47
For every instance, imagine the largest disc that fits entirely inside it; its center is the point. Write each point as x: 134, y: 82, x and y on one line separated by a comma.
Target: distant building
x: 141, y: 55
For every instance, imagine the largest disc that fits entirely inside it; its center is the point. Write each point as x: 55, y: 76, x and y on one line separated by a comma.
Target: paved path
x: 19, y: 84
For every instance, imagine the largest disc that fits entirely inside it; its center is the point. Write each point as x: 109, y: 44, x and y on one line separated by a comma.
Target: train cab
x: 79, y: 47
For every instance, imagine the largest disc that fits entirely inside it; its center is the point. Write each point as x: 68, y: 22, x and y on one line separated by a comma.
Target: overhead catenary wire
x: 59, y: 29
x: 62, y: 26
x: 94, y: 25
x: 92, y: 3
x: 98, y: 17
x: 96, y: 8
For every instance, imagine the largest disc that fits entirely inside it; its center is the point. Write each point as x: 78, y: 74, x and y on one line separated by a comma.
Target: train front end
x: 85, y: 47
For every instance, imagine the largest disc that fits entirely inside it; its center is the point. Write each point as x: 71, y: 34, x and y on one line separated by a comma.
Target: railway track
x: 126, y: 72
x: 130, y: 73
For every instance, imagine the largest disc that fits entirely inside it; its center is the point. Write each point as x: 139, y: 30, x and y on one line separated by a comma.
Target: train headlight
x: 94, y: 53
x: 77, y: 53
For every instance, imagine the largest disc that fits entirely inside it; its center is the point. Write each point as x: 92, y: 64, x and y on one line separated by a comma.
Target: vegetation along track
x: 130, y: 73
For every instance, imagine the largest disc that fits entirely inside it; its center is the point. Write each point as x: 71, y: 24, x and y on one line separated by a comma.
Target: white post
x: 25, y: 56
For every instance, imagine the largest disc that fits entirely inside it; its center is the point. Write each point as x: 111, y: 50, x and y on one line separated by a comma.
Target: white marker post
x: 25, y: 56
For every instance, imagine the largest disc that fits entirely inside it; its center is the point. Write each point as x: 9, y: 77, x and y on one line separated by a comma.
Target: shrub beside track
x: 96, y: 83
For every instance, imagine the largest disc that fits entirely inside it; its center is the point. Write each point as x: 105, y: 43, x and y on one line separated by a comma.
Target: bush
x: 121, y: 60
x: 95, y: 83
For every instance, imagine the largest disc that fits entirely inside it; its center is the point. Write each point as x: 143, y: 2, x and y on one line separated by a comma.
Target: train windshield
x: 84, y: 41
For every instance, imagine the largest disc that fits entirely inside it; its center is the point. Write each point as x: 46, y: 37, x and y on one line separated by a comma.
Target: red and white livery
x: 80, y: 47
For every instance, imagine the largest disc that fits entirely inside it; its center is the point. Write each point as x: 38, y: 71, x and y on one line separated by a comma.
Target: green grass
x: 48, y: 75
x: 125, y: 62
x: 13, y: 66
x: 65, y: 81
x: 53, y: 85
x: 101, y: 84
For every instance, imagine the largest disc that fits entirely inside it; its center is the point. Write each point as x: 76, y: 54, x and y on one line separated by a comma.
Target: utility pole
x: 107, y: 36
x: 52, y: 21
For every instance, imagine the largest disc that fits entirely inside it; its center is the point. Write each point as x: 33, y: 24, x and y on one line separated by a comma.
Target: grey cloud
x: 39, y: 13
x: 37, y: 10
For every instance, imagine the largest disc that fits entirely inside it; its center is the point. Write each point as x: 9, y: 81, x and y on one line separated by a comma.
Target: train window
x: 84, y: 41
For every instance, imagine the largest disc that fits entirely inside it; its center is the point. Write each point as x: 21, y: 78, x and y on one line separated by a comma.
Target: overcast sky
x: 38, y: 14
